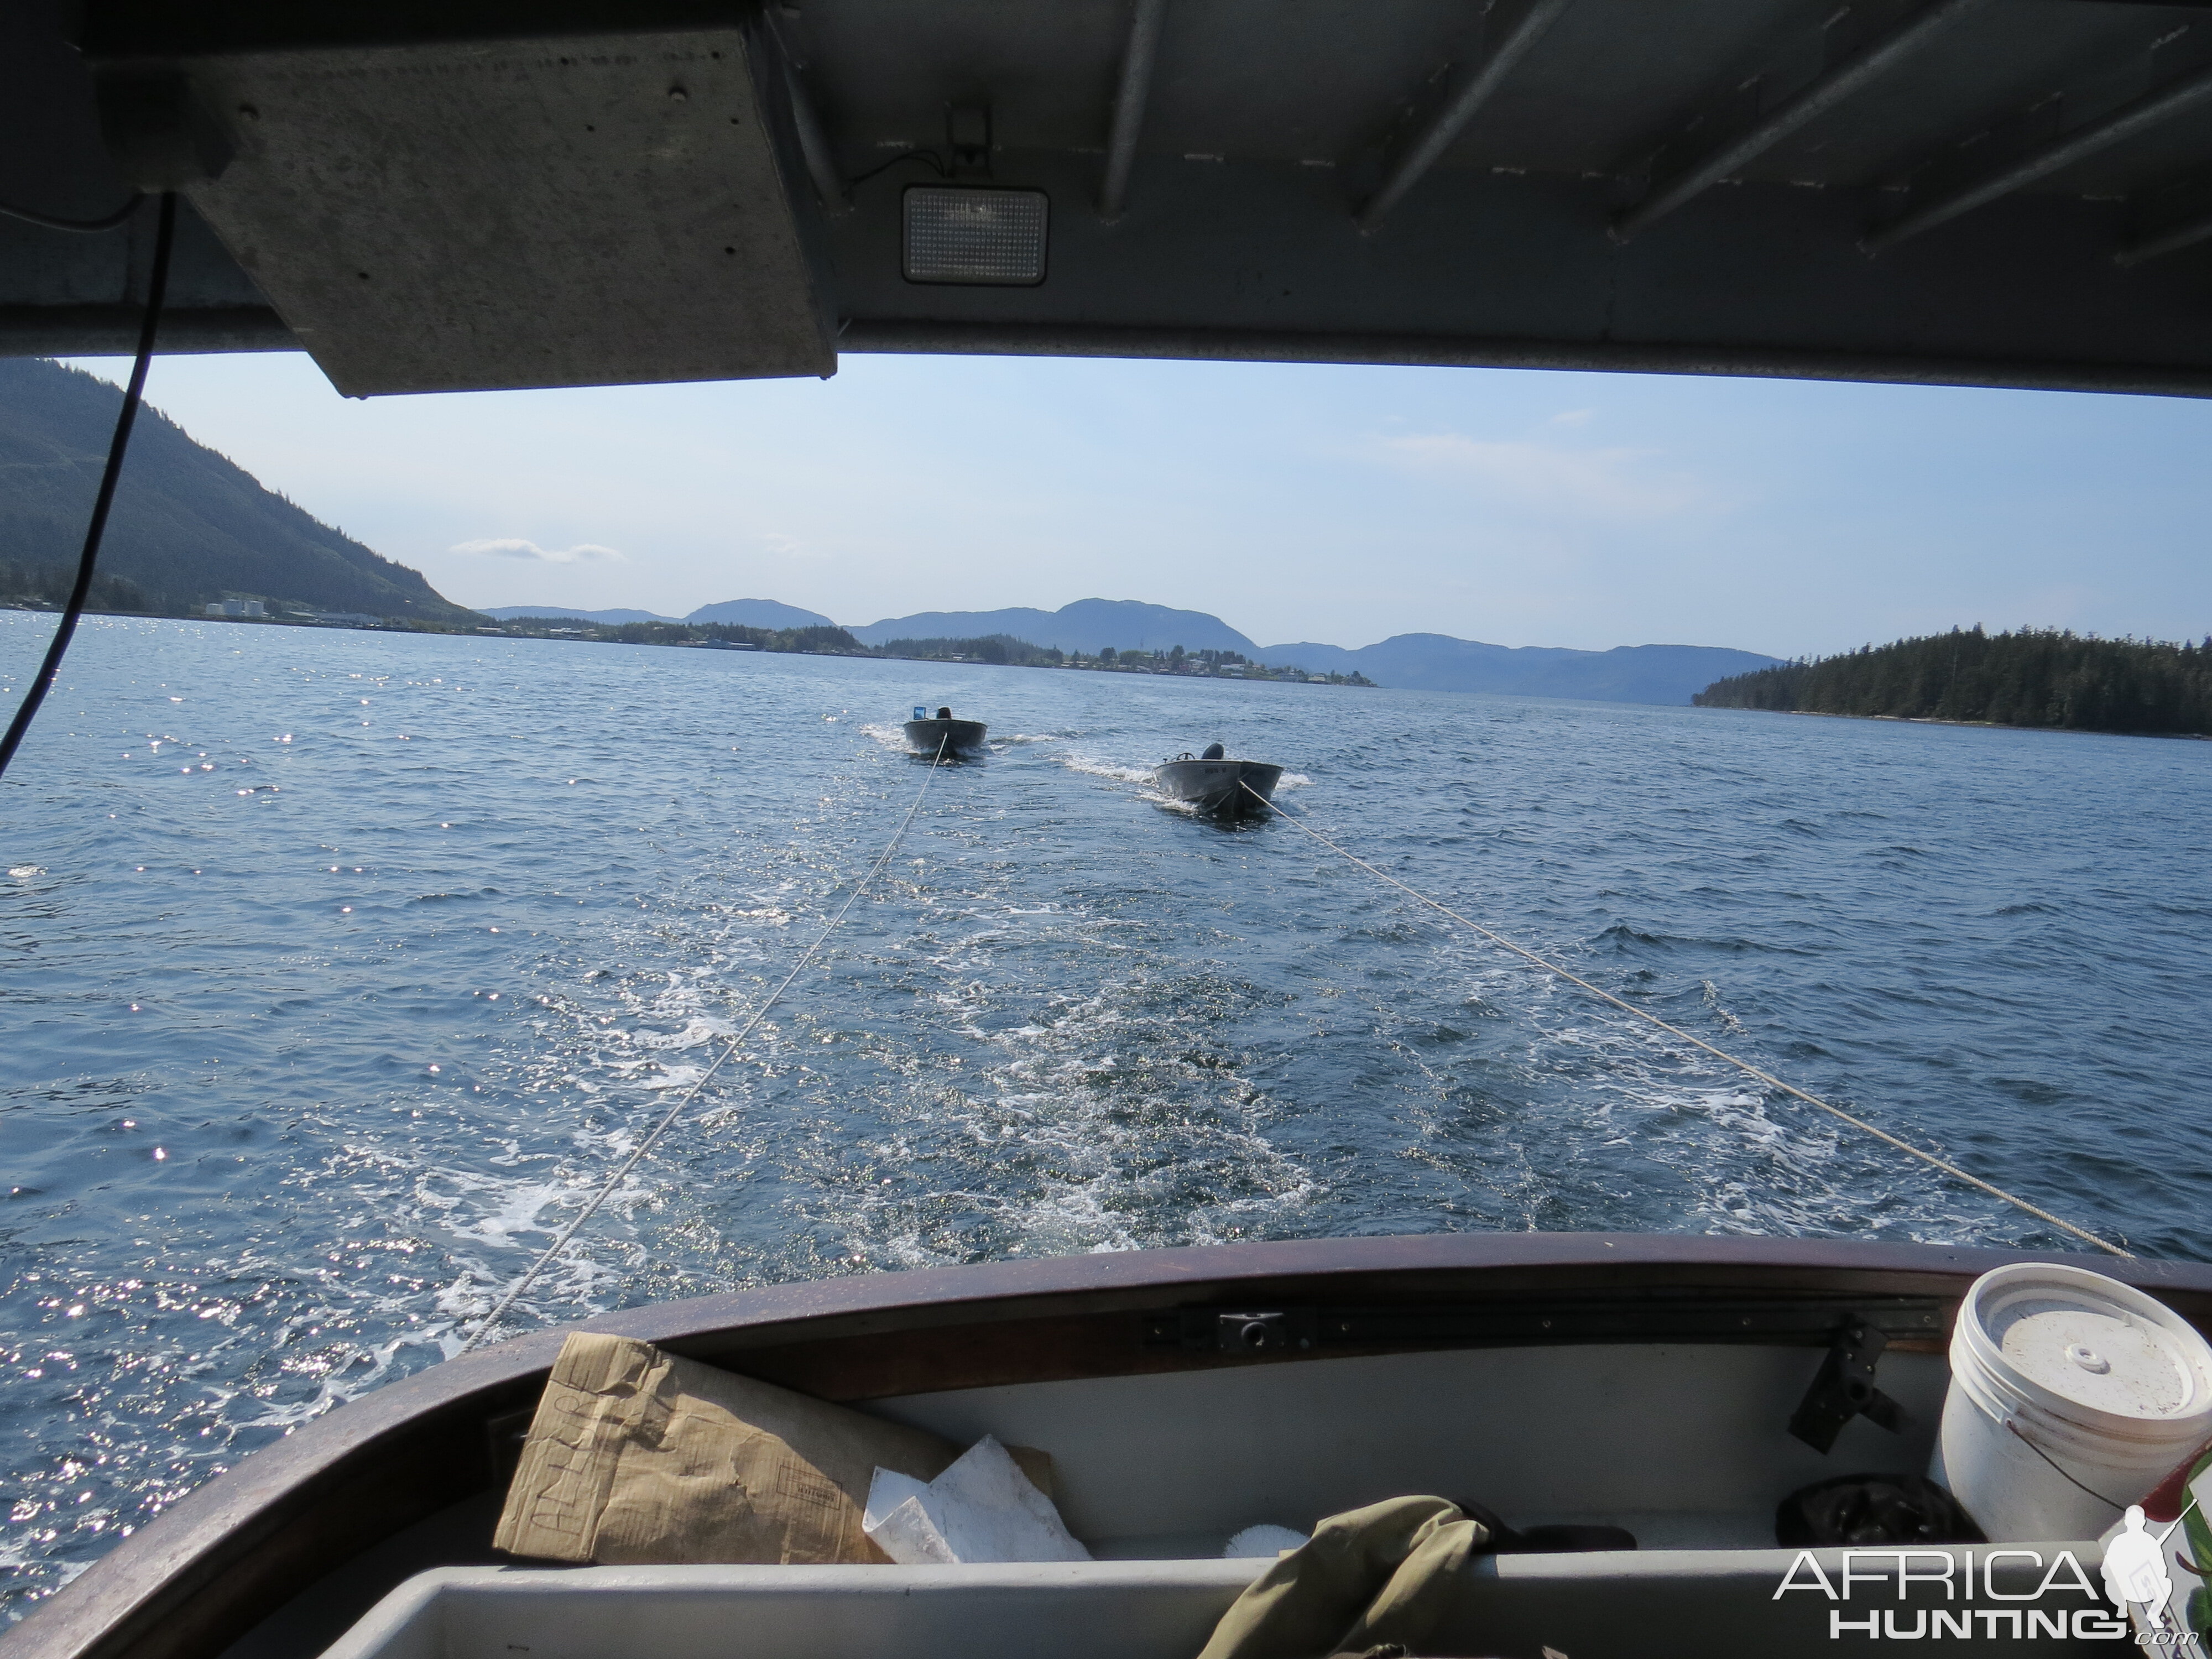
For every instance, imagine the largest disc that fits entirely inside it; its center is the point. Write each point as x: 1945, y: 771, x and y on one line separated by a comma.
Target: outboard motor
x: 944, y: 713
x: 1214, y: 751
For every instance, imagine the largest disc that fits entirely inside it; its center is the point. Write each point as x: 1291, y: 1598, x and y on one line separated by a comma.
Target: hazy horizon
x: 1264, y: 644
x: 1337, y: 504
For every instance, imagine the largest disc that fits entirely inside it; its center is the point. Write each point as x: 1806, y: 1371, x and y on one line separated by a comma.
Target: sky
x: 1296, y: 502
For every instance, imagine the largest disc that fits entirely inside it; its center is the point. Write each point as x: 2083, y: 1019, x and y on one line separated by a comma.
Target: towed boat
x: 944, y: 736
x: 1656, y: 1384
x: 1213, y: 783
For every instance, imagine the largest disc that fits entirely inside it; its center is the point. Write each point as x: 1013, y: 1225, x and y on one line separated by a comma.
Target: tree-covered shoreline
x: 40, y: 588
x: 2034, y: 678
x: 998, y: 650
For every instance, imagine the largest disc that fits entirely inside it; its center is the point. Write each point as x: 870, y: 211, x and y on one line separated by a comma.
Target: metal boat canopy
x: 475, y: 194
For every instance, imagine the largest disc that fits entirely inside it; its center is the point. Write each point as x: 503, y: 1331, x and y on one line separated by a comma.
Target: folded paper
x: 982, y: 1508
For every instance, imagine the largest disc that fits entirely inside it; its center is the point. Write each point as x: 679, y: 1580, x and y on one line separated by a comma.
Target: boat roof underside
x: 482, y: 194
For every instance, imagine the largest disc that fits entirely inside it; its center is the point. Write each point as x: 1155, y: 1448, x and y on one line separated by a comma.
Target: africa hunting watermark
x: 1998, y: 1593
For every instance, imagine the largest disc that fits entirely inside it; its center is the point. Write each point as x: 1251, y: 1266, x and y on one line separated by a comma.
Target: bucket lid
x: 2078, y: 1339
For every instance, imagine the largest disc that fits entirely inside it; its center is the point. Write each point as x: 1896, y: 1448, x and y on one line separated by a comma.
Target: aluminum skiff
x: 952, y: 739
x: 1226, y: 789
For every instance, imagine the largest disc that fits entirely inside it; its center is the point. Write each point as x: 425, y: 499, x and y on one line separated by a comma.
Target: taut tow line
x: 668, y: 1118
x: 1743, y: 1066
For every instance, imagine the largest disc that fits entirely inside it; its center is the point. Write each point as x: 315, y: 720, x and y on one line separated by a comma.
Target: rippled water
x: 337, y: 969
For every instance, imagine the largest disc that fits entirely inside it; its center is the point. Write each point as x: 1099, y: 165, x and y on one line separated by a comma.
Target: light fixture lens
x: 955, y: 234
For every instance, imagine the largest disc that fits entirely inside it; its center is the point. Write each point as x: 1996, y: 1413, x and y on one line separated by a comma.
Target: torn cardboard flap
x: 637, y: 1457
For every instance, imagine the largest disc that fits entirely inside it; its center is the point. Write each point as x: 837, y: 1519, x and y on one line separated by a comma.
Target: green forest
x: 821, y: 641
x: 2037, y: 677
x: 47, y: 586
x: 1000, y: 649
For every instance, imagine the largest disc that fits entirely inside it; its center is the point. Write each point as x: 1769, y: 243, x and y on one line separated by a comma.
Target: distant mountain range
x: 1418, y: 662
x: 187, y: 526
x: 1422, y: 662
x: 745, y: 613
x: 1438, y: 662
x: 1088, y: 625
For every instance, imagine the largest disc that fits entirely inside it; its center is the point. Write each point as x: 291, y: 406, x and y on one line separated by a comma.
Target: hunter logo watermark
x: 2136, y: 1579
x: 1999, y: 1593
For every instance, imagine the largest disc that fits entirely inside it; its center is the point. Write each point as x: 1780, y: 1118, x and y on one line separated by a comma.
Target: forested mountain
x: 187, y: 526
x: 759, y: 613
x: 2037, y: 677
x: 1088, y: 626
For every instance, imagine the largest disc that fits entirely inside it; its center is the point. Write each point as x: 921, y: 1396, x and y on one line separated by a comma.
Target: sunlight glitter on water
x: 393, y: 1016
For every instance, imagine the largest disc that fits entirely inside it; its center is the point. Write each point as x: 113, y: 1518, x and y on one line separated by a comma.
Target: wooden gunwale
x: 224, y: 1557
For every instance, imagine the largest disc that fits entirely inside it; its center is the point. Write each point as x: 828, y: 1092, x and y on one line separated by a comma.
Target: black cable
x: 157, y: 281
x: 927, y: 156
x: 2062, y: 1475
x: 114, y: 221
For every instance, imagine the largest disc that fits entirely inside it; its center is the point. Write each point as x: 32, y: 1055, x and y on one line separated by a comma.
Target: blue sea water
x: 337, y: 969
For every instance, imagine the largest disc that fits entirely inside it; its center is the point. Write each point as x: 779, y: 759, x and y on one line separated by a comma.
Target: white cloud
x: 514, y: 547
x: 1612, y: 484
x: 1573, y: 417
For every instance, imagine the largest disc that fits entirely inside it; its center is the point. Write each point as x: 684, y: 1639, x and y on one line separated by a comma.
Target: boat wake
x: 1050, y: 1028
x: 1118, y: 772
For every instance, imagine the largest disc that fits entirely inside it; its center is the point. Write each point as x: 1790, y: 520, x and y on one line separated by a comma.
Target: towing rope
x: 1744, y: 1066
x: 622, y: 1171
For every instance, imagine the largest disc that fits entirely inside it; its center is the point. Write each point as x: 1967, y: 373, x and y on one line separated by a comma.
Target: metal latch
x: 1210, y: 1330
x: 1845, y: 1389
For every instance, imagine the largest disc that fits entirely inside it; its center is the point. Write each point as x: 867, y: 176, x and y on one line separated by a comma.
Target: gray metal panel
x: 1307, y: 80
x: 112, y: 330
x: 1049, y: 70
x: 69, y: 294
x: 1497, y: 268
x: 47, y: 270
x: 1616, y: 76
x: 509, y: 246
x: 547, y: 212
x: 1998, y: 65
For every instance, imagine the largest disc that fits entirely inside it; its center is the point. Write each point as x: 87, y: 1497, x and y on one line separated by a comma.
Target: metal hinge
x: 1844, y: 1387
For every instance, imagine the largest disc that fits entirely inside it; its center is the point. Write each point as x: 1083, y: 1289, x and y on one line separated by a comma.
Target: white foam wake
x: 1096, y: 768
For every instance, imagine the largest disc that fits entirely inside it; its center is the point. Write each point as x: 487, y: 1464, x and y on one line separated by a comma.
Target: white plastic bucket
x: 2071, y: 1396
